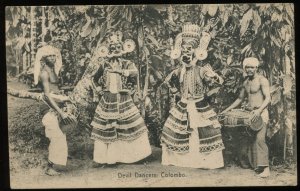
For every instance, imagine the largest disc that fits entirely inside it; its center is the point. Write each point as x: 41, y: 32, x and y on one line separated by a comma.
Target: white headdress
x: 250, y: 61
x: 43, y: 52
x: 191, y: 32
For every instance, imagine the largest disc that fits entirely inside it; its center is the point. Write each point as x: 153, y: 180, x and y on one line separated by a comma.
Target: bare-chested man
x: 47, y: 66
x: 256, y: 88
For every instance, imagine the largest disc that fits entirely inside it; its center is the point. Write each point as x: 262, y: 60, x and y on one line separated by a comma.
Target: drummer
x: 46, y: 68
x: 256, y: 88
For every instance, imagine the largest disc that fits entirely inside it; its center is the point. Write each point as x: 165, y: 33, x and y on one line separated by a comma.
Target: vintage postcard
x: 168, y: 95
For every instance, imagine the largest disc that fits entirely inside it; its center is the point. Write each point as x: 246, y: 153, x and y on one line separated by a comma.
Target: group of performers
x: 191, y: 135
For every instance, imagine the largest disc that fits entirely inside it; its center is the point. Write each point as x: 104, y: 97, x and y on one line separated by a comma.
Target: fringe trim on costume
x: 211, y: 148
x: 119, y: 136
x: 115, y: 115
x: 165, y: 135
x: 130, y: 126
x: 179, y: 115
x: 131, y: 137
x: 207, y: 145
x: 175, y: 127
x: 181, y: 106
x: 176, y: 146
x: 184, y: 149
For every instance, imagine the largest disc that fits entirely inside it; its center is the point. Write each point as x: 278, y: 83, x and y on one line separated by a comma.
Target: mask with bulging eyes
x: 187, y: 53
x: 115, y: 49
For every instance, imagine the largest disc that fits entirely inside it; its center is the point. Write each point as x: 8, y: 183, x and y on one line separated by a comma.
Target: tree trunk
x: 140, y: 45
x: 278, y: 140
x: 288, y: 143
x: 33, y: 33
x: 28, y: 63
x: 44, y: 30
x: 146, y: 85
x: 170, y: 13
x: 270, y: 63
x: 50, y: 20
x: 24, y: 60
x: 17, y: 61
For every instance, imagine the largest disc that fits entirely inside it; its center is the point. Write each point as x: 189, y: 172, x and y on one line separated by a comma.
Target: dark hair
x: 44, y: 59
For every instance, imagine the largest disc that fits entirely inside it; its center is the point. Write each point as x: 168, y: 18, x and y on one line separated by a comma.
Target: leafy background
x: 265, y: 31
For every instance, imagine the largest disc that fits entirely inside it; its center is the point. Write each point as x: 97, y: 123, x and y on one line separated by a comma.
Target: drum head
x: 67, y: 126
x: 257, y: 124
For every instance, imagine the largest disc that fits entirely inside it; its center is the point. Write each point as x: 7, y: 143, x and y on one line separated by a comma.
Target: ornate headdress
x: 115, y: 38
x: 42, y: 52
x: 192, y: 34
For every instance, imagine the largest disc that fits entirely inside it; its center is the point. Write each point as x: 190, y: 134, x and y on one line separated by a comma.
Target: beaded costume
x: 191, y: 135
x: 119, y: 131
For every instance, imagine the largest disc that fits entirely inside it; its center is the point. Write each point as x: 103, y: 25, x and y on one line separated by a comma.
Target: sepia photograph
x: 151, y: 95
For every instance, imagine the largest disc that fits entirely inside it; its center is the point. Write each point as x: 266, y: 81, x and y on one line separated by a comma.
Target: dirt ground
x: 28, y: 156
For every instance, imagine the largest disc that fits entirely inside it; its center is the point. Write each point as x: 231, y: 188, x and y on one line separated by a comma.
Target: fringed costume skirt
x: 119, y: 131
x: 192, y: 137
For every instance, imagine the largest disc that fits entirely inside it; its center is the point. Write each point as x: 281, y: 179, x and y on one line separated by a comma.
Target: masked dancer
x: 118, y: 129
x: 191, y: 135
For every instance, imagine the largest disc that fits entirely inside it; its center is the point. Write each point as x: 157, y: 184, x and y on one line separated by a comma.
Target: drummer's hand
x: 255, y: 114
x: 66, y: 117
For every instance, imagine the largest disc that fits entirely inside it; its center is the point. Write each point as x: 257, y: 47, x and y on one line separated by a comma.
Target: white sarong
x: 58, y: 148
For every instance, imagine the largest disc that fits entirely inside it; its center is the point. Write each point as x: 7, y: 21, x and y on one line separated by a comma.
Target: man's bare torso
x: 254, y: 92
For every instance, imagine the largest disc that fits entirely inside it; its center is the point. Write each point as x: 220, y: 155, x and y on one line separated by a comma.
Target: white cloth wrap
x: 193, y: 159
x: 58, y: 148
x: 122, y: 151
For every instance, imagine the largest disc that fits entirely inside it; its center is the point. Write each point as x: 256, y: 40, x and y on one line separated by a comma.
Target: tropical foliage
x: 265, y: 31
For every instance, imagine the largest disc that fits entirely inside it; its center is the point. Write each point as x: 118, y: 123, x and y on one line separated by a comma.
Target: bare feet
x: 259, y: 170
x: 245, y: 166
x: 98, y: 165
x: 52, y: 172
x: 265, y: 173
